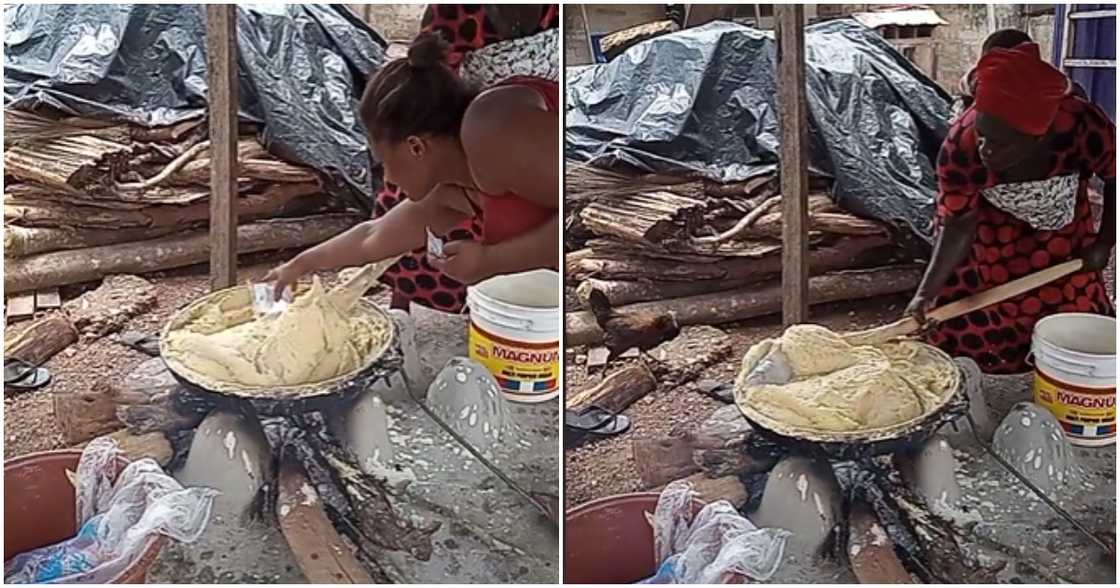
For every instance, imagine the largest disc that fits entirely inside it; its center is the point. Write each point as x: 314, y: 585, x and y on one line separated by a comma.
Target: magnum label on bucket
x: 525, y: 371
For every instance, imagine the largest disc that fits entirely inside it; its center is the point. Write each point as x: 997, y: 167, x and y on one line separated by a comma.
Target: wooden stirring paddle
x: 909, y: 325
x: 346, y: 294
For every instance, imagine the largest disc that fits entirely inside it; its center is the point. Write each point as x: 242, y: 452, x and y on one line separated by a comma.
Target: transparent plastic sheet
x: 141, y: 504
x: 714, y: 546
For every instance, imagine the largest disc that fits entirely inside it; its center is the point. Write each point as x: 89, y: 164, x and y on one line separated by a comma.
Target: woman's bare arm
x: 401, y: 230
x: 511, y: 142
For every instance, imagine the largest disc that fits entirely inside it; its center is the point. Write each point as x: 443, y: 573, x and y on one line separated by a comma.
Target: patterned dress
x: 467, y: 29
x: 1082, y: 144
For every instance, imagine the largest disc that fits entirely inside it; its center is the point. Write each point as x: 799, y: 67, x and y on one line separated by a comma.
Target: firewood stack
x: 84, y: 199
x: 711, y: 253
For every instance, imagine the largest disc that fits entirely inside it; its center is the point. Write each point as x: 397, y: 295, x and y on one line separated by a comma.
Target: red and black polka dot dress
x: 998, y: 337
x: 466, y: 28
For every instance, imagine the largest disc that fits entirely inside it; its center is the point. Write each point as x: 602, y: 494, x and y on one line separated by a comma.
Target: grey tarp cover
x: 301, y: 71
x: 703, y: 102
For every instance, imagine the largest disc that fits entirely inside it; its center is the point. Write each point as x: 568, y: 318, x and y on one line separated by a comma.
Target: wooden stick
x: 745, y: 223
x: 735, y: 305
x: 909, y: 325
x: 794, y: 155
x: 221, y: 52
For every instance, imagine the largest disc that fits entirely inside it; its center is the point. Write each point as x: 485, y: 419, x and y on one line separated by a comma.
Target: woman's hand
x: 1096, y: 256
x: 467, y: 261
x: 917, y: 309
x: 284, y: 275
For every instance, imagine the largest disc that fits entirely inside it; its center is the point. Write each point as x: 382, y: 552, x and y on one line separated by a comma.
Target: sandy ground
x: 29, y: 422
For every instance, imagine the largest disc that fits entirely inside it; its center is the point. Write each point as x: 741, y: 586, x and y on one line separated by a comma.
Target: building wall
x: 396, y: 22
x: 958, y: 43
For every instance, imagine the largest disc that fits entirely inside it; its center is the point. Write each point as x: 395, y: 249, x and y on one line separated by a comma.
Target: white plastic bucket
x: 1075, y: 374
x: 515, y: 333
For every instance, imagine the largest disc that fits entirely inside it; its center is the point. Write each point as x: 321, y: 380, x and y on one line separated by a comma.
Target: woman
x: 1001, y: 39
x: 460, y: 156
x: 1013, y: 175
x: 514, y: 45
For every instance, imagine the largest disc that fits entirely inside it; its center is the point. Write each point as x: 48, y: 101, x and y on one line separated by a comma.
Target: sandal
x: 22, y: 376
x: 591, y: 424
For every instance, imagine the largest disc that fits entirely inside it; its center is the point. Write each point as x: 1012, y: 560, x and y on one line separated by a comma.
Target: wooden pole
x: 792, y: 112
x: 221, y: 51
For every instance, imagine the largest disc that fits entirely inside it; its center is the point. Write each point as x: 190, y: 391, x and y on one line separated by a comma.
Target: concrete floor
x: 488, y: 533
x: 1011, y: 524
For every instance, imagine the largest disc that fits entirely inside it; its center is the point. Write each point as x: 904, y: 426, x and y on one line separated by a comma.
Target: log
x: 85, y: 414
x: 40, y: 340
x: 841, y: 254
x: 837, y: 223
x: 616, y: 392
x: 580, y: 327
x: 150, y: 399
x: 137, y: 447
x: 86, y: 265
x: 870, y: 550
x: 106, y: 310
x: 729, y: 488
x: 270, y: 170
x: 71, y: 163
x: 650, y: 216
x: 617, y: 43
x: 660, y: 461
x: 844, y: 254
x: 25, y: 241
x: 272, y: 202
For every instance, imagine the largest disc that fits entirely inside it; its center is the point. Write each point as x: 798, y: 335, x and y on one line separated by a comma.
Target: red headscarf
x: 1018, y: 87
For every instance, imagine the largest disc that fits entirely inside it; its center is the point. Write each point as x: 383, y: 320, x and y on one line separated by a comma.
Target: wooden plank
x: 221, y: 51
x: 47, y: 299
x: 21, y: 306
x: 321, y: 553
x: 794, y: 177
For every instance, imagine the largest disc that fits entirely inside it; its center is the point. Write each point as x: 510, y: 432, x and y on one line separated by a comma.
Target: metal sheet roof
x: 908, y: 16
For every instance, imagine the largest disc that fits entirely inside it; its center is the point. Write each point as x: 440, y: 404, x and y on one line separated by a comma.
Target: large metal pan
x: 382, y: 361
x: 858, y: 445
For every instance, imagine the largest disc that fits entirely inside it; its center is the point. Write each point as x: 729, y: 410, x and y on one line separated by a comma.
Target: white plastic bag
x: 712, y: 546
x: 116, y: 520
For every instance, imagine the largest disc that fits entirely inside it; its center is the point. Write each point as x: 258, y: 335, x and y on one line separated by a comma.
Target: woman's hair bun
x: 428, y: 50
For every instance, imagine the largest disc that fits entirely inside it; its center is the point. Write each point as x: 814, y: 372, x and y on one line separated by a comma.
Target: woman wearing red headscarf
x: 1013, y: 174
